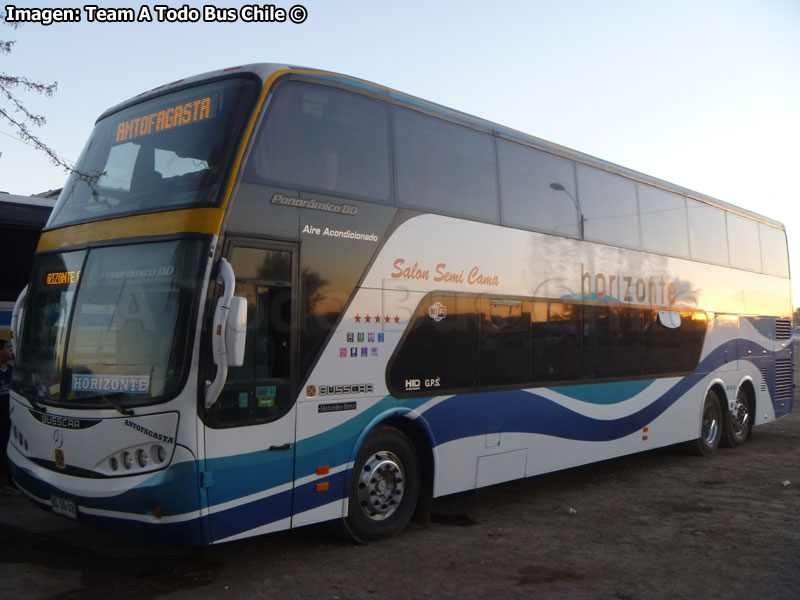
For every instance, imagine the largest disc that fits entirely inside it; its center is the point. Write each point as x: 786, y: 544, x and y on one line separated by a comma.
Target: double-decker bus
x: 290, y: 296
x: 21, y: 222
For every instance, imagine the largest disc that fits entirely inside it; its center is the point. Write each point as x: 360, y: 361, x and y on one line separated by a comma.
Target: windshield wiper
x: 113, y: 403
x: 28, y: 391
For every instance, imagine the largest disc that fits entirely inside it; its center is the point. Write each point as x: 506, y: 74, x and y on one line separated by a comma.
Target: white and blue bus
x: 291, y: 296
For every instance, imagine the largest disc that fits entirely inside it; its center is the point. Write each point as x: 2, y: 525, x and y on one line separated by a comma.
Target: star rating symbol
x: 377, y: 318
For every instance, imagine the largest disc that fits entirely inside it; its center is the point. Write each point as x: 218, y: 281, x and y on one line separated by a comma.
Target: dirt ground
x: 657, y: 525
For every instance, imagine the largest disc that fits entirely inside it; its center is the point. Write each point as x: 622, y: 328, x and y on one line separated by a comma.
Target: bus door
x: 250, y: 438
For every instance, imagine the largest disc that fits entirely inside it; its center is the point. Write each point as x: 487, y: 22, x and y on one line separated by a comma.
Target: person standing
x: 6, y: 369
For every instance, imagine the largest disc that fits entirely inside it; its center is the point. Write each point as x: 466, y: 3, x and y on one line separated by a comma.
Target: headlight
x: 141, y: 458
x: 127, y: 460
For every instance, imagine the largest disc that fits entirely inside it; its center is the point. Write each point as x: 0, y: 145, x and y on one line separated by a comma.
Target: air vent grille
x: 783, y: 329
x: 783, y: 379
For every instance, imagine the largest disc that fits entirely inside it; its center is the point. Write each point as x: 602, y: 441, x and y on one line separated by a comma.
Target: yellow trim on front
x: 245, y: 140
x: 194, y: 220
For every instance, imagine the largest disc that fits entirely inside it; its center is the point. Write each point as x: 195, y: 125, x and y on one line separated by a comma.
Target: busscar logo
x: 342, y: 390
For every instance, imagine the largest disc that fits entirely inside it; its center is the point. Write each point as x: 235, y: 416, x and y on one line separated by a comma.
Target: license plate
x: 64, y: 507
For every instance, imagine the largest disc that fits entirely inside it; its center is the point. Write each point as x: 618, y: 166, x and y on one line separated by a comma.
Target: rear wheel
x: 710, y: 426
x: 384, y: 486
x: 739, y: 422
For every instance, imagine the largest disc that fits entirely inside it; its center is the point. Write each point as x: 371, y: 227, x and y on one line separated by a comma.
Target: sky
x: 702, y: 93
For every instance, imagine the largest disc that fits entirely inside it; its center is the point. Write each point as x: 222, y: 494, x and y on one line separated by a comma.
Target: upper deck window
x: 537, y: 190
x: 168, y: 152
x: 610, y: 207
x: 325, y: 139
x: 774, y: 257
x: 444, y: 167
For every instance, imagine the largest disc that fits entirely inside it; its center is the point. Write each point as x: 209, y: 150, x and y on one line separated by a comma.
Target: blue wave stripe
x: 189, y: 532
x: 251, y: 515
x: 605, y: 393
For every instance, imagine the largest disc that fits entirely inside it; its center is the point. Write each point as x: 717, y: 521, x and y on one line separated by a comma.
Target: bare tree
x: 13, y: 110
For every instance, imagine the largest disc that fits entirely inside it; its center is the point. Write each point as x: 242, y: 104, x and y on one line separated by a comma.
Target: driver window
x: 260, y: 390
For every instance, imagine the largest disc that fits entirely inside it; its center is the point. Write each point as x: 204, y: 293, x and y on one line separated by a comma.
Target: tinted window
x: 708, y: 235
x: 444, y: 167
x: 672, y: 340
x: 774, y: 259
x: 526, y: 196
x: 609, y: 207
x: 469, y: 343
x: 261, y: 263
x: 743, y: 244
x: 324, y: 139
x: 556, y: 330
x: 664, y: 223
x: 441, y: 345
x: 612, y: 341
x: 259, y: 390
x: 505, y: 342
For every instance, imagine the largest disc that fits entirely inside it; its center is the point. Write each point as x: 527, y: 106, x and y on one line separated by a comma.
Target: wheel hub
x: 741, y: 416
x: 381, y: 485
x: 710, y: 426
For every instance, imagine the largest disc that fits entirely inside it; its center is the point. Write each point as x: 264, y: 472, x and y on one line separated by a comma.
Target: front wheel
x: 384, y: 486
x: 710, y: 426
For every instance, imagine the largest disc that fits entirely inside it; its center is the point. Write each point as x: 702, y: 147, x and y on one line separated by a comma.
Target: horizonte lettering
x: 629, y: 289
x: 130, y: 384
x: 164, y: 119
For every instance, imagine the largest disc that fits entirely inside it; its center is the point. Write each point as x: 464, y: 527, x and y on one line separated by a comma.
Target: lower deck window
x: 462, y: 342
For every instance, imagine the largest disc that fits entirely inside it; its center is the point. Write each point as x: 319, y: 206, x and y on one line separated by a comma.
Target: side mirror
x: 17, y: 315
x: 236, y: 331
x: 228, y: 334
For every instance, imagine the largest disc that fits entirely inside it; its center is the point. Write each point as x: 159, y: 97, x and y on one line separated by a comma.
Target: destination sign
x: 62, y: 277
x: 168, y: 118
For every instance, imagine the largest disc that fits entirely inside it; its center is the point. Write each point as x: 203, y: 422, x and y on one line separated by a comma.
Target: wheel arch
x: 718, y: 386
x: 419, y: 433
x: 749, y: 387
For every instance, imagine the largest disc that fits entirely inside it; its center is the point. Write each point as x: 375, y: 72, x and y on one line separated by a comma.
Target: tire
x: 384, y: 487
x: 738, y: 423
x: 711, y: 426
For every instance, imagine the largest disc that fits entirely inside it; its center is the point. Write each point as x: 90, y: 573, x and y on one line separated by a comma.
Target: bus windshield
x: 172, y: 151
x: 108, y: 322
